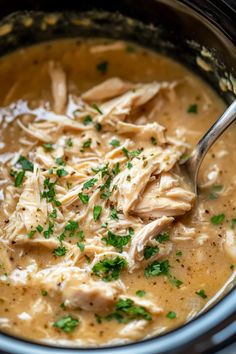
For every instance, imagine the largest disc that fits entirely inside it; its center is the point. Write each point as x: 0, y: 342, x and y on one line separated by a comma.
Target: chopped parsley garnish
x: 129, y: 165
x: 60, y: 161
x: 25, y: 164
x: 97, y: 210
x: 90, y: 183
x: 232, y: 266
x: 125, y: 152
x: 113, y: 214
x: 44, y: 292
x: 19, y: 178
x: 48, y: 147
x: 150, y: 251
x: 116, y: 169
x: 84, y: 198
x: 69, y: 142
x: 153, y: 140
x: 31, y: 233
x: 53, y: 214
x: 109, y: 269
x: 87, y: 120
x: 117, y: 241
x: 163, y: 237
x: 135, y: 153
x: 67, y: 324
x: 49, y: 192
x: 171, y: 315
x: 105, y: 195
x: 126, y: 311
x: 157, y: 268
x: 60, y: 251
x: 201, y: 293
x: 61, y: 172
x: 88, y: 259
x: 174, y: 281
x: 72, y: 226
x: 115, y: 143
x: 47, y: 233
x: 81, y: 246
x: 39, y: 228
x: 80, y: 235
x: 102, y: 66
x: 87, y: 143
x: 217, y: 219
x: 178, y: 253
x: 140, y: 293
x: 193, y: 108
x: 95, y: 106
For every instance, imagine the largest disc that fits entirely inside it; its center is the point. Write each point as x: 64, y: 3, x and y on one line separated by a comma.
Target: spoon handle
x: 197, y: 155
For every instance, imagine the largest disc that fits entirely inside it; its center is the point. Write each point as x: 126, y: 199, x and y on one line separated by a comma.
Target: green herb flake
x: 129, y: 165
x: 140, y: 293
x: 90, y: 183
x: 81, y: 246
x: 69, y: 142
x: 150, y: 251
x: 48, y: 147
x: 163, y: 237
x: 113, y: 214
x: 25, y: 164
x: 39, y: 228
x: 126, y: 311
x: 87, y: 120
x: 47, y: 233
x: 201, y: 293
x: 61, y: 172
x: 72, y: 226
x: 31, y: 233
x: 60, y: 161
x: 19, y: 178
x: 87, y: 143
x: 84, y: 198
x: 174, y: 281
x: 125, y: 152
x: 217, y: 219
x: 171, y: 315
x: 117, y: 241
x: 115, y: 143
x: 135, y: 153
x: 116, y: 169
x: 44, y: 292
x: 60, y: 251
x: 193, y: 108
x: 67, y: 324
x: 109, y: 269
x: 153, y: 140
x: 97, y: 210
x: 80, y: 235
x: 102, y: 66
x: 157, y: 269
x: 215, y: 191
x: 88, y: 259
x: 105, y: 195
x: 53, y: 214
x: 178, y: 253
x: 232, y: 266
x: 95, y: 106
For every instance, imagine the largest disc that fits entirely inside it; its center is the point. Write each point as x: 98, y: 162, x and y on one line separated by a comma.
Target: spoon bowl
x: 190, y: 168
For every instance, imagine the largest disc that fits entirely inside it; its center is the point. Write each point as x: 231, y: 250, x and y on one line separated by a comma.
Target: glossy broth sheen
x: 203, y: 262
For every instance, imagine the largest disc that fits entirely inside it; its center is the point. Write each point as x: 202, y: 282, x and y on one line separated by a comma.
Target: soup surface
x: 101, y: 239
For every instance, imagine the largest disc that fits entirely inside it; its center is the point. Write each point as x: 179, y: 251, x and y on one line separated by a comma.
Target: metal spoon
x: 192, y: 165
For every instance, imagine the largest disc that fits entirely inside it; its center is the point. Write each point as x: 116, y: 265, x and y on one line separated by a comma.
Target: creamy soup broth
x: 200, y: 239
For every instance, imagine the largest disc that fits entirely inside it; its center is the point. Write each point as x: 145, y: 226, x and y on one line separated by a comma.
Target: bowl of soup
x: 104, y: 245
